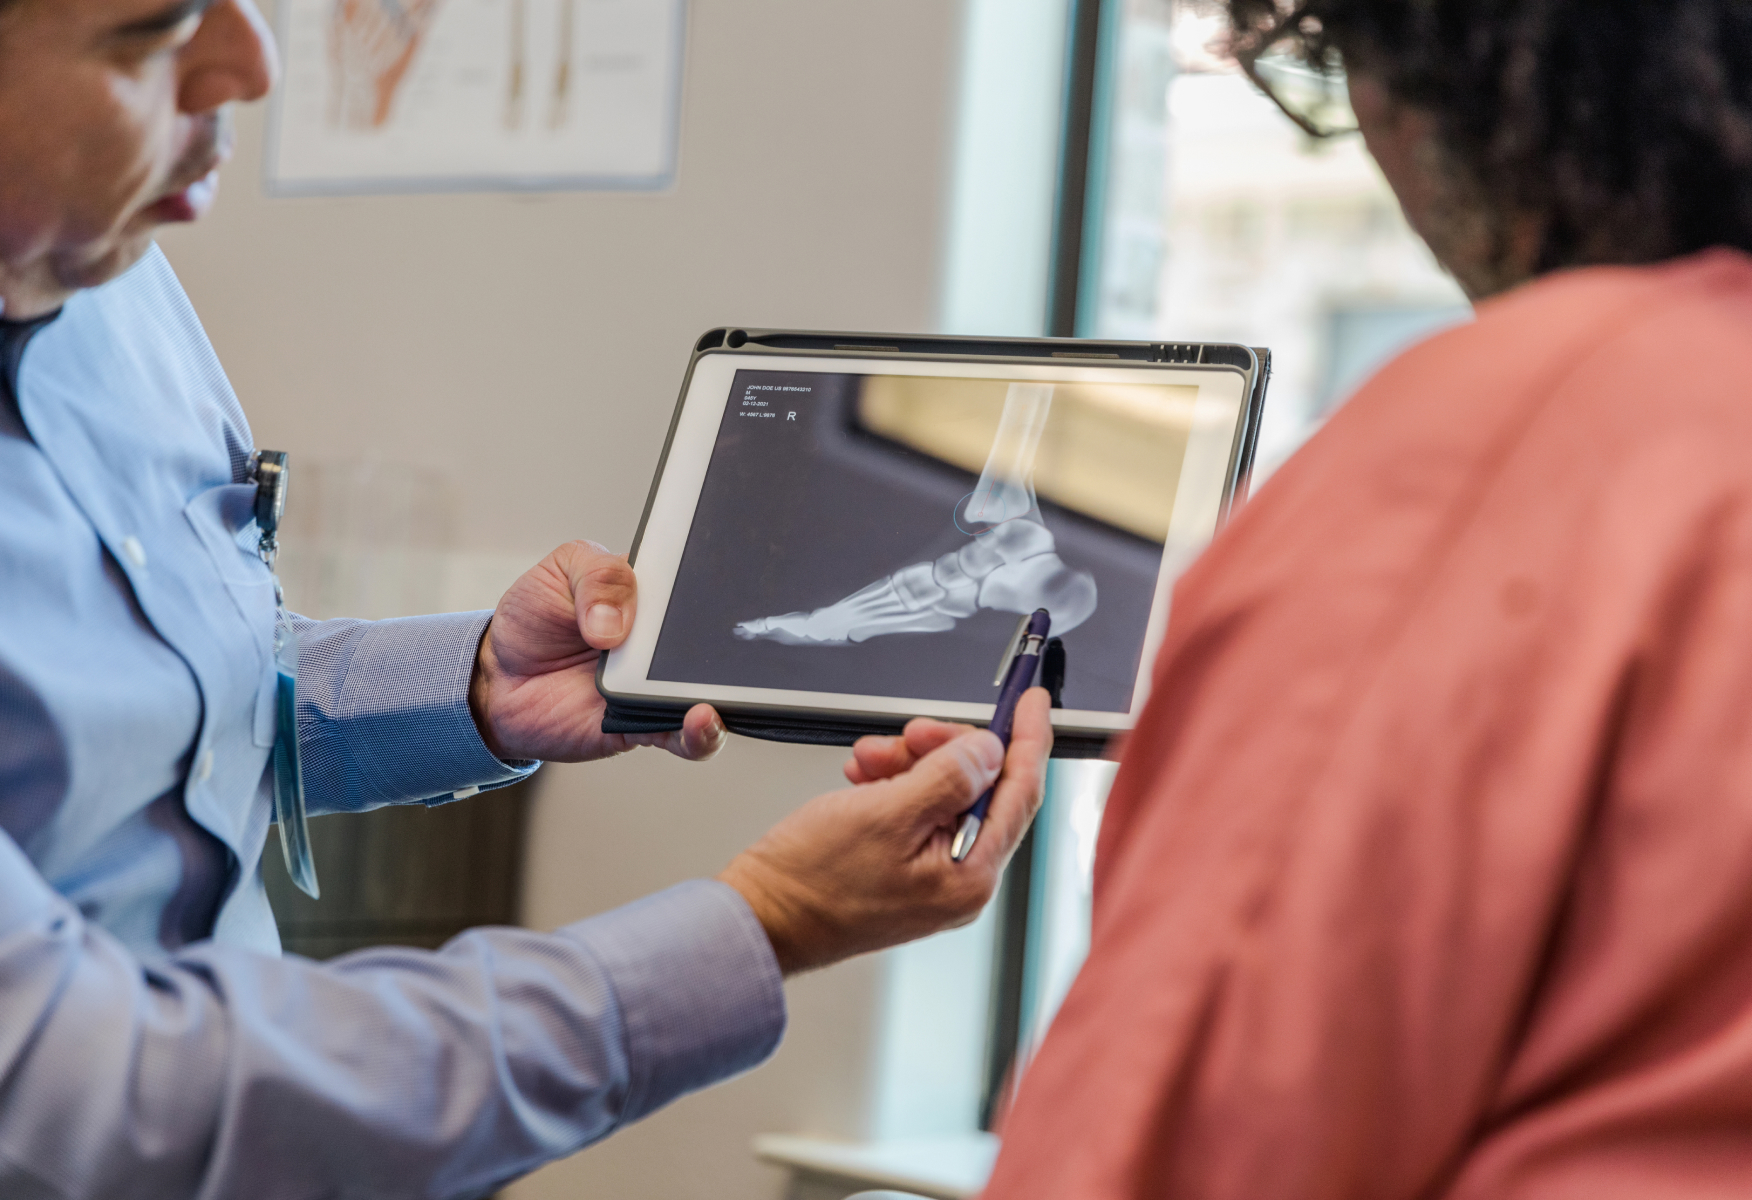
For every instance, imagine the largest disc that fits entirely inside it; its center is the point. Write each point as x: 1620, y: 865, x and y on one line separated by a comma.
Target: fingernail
x: 987, y: 751
x: 712, y: 740
x: 603, y: 621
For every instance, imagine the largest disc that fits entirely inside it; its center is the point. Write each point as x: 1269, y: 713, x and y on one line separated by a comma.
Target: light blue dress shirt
x: 152, y: 1041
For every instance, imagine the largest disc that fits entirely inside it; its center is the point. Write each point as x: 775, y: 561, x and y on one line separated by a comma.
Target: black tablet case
x: 818, y: 729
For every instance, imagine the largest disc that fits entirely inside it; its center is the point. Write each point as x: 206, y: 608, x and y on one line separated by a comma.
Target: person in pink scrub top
x: 1428, y: 870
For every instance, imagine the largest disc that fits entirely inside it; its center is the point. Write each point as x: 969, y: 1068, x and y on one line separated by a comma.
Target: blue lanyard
x: 268, y: 468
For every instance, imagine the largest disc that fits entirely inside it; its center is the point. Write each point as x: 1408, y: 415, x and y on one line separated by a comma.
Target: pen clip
x: 1010, y: 652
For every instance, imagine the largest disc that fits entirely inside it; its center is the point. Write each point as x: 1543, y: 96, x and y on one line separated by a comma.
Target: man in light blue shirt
x: 152, y: 1041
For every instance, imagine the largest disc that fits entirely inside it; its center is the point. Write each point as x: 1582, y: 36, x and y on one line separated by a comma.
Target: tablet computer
x: 844, y: 528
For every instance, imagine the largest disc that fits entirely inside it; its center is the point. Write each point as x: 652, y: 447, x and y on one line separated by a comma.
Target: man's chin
x: 189, y: 204
x: 113, y: 260
x: 42, y: 286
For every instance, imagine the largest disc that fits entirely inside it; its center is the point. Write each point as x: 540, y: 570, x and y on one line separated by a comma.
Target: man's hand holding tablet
x: 851, y: 871
x: 534, y: 688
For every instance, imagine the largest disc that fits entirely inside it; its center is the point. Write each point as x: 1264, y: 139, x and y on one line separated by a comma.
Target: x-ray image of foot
x: 1012, y: 568
x: 1011, y: 564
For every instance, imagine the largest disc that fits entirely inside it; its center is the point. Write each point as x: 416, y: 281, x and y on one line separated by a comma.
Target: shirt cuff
x: 697, y: 985
x: 405, y: 710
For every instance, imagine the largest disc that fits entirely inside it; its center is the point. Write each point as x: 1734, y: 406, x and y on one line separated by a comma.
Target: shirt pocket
x: 223, y: 519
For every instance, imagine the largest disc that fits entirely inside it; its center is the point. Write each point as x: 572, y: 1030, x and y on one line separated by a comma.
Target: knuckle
x: 957, y: 773
x: 960, y: 920
x: 611, y: 576
x: 971, y: 899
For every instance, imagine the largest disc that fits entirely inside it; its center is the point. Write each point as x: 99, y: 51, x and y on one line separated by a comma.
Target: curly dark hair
x: 1623, y: 126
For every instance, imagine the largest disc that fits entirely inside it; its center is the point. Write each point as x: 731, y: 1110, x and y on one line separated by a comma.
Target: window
x: 1212, y: 217
x: 1191, y: 209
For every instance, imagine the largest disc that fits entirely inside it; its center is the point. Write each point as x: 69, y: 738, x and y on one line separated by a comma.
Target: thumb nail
x: 987, y: 752
x: 602, y: 621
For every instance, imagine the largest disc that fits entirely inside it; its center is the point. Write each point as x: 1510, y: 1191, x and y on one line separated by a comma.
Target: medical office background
x: 467, y: 379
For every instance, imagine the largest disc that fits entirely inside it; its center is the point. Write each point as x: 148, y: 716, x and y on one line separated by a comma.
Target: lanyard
x: 268, y: 469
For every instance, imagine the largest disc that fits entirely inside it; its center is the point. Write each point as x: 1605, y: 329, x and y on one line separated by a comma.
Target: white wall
x: 532, y: 347
x: 534, y: 344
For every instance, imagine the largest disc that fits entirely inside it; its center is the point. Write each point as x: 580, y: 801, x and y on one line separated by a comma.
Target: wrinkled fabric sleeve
x: 383, y: 714
x: 388, y: 1073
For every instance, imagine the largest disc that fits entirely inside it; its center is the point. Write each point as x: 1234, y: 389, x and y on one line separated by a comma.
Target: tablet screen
x: 881, y: 534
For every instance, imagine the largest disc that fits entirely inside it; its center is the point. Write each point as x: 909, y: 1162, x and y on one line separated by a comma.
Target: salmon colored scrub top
x: 1428, y: 871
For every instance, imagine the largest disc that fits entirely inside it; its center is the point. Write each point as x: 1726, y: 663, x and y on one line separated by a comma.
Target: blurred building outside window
x: 1213, y: 218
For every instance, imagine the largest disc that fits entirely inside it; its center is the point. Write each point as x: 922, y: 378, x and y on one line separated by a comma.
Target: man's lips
x: 189, y: 204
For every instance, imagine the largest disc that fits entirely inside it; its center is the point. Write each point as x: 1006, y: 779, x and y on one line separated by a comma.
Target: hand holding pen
x: 904, y: 862
x: 1016, y: 671
x: 868, y: 866
x: 1006, y: 806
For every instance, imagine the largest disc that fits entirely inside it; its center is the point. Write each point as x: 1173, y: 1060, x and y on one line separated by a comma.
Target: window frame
x: 1092, y: 43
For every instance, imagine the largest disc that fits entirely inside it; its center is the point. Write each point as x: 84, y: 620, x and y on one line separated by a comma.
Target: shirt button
x: 204, y: 768
x: 134, y: 552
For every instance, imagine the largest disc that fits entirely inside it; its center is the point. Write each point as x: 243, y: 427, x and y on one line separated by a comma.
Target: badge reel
x: 268, y: 469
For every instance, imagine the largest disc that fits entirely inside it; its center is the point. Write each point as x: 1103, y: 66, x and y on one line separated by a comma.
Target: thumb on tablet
x: 604, y: 592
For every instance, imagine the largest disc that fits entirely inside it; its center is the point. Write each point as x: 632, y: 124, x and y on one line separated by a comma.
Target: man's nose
x: 231, y: 57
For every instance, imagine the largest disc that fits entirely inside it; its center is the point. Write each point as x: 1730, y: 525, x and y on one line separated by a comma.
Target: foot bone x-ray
x: 1010, y: 565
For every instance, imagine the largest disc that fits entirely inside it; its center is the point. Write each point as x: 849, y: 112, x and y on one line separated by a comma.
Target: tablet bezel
x: 1228, y: 398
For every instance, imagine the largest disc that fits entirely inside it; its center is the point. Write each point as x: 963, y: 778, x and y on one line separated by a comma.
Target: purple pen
x: 1015, y: 676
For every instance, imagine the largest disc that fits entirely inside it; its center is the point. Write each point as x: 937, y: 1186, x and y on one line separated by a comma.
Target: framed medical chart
x: 476, y: 95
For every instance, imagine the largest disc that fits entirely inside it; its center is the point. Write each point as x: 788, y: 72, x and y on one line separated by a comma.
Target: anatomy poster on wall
x: 413, y: 95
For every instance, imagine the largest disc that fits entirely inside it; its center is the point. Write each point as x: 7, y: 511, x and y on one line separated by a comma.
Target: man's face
x: 113, y: 121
